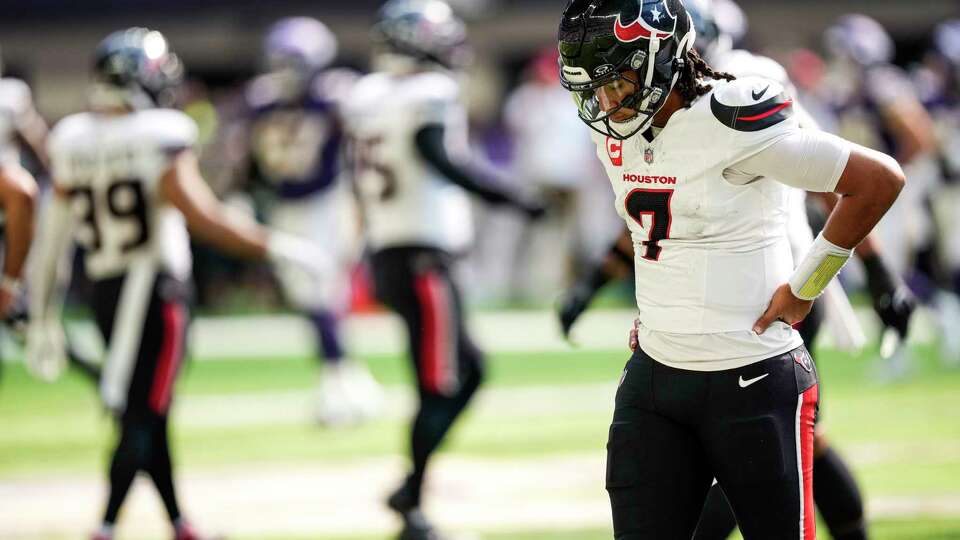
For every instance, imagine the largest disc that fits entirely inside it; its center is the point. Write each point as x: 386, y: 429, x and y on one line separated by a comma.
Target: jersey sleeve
x: 61, y: 145
x: 438, y: 99
x: 18, y: 101
x: 808, y: 159
x: 172, y: 130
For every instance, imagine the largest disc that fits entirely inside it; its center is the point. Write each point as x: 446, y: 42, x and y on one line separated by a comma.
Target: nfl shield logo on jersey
x: 648, y: 155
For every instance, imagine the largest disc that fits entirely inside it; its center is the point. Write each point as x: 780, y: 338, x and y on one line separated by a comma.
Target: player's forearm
x: 19, y: 197
x: 233, y: 233
x: 430, y: 144
x: 868, y: 187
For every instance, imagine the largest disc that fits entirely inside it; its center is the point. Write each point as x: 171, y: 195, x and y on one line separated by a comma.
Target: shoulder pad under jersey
x: 750, y: 104
x: 172, y: 130
x: 67, y: 131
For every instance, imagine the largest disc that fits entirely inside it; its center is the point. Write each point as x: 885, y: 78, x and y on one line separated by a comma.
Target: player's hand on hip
x: 784, y: 306
x: 634, y: 342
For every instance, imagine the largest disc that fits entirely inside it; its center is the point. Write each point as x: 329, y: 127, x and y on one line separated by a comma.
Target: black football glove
x: 892, y: 300
x: 576, y: 300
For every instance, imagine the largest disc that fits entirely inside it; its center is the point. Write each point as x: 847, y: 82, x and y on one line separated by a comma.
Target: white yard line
x: 552, y: 493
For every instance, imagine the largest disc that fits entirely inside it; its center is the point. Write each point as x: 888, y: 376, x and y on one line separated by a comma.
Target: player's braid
x: 691, y: 83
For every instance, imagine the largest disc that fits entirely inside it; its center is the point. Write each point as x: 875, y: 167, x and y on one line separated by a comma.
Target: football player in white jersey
x: 19, y: 124
x: 295, y: 141
x: 17, y: 196
x: 720, y: 384
x: 126, y: 189
x: 405, y: 121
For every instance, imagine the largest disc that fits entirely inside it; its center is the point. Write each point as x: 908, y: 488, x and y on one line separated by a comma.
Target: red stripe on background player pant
x: 806, y: 415
x: 436, y: 342
x: 171, y: 351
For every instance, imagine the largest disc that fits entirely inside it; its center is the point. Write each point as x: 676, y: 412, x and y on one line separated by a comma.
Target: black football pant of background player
x: 674, y: 431
x: 835, y: 491
x: 142, y: 443
x: 418, y: 285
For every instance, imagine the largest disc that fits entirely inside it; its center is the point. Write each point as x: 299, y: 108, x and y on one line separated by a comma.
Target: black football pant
x: 146, y: 377
x: 751, y: 428
x: 417, y: 284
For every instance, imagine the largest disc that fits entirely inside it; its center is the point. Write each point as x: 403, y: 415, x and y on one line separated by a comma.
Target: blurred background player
x: 295, y: 141
x: 20, y: 125
x: 126, y: 187
x: 406, y: 122
x: 938, y: 84
x: 875, y: 105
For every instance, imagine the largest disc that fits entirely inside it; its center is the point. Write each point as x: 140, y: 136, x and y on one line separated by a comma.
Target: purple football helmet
x: 859, y: 39
x: 303, y: 44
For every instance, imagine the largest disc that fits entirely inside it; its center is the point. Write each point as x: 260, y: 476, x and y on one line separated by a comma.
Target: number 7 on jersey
x: 655, y: 205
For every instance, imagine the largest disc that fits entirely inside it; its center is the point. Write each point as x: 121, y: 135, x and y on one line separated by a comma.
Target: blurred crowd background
x: 522, y: 122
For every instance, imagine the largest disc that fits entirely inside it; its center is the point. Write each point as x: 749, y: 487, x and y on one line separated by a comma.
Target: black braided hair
x: 696, y: 71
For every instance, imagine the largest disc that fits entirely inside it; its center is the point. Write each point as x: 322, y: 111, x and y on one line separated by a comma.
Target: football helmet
x: 859, y: 40
x: 720, y: 25
x: 946, y: 41
x: 609, y: 42
x: 301, y: 44
x: 421, y: 32
x: 135, y: 68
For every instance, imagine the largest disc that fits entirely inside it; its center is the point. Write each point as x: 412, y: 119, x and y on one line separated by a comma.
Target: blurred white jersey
x: 405, y: 201
x: 15, y: 105
x: 110, y: 167
x: 711, y: 247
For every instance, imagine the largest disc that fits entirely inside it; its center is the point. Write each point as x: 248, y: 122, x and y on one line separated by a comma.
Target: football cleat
x: 347, y: 395
x: 185, y: 531
x: 417, y: 527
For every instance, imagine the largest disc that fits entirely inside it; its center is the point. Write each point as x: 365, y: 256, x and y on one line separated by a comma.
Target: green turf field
x: 903, y: 439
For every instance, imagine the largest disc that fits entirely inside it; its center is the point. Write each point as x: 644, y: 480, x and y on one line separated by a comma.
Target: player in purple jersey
x: 295, y: 146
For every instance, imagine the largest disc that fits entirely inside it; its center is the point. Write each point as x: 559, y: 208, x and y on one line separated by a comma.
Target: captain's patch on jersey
x: 753, y: 117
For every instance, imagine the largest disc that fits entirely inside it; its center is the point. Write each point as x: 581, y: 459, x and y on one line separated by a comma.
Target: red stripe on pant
x: 171, y: 352
x: 807, y: 417
x: 435, y: 368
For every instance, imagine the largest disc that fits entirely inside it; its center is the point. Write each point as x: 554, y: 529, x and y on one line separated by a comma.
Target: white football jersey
x: 405, y: 201
x: 110, y: 167
x: 15, y: 105
x: 710, y: 248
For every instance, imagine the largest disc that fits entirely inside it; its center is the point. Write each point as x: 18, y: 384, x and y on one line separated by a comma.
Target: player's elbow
x: 889, y: 180
x: 19, y: 189
x: 872, y: 177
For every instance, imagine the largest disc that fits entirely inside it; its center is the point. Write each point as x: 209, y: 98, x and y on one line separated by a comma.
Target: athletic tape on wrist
x: 822, y: 263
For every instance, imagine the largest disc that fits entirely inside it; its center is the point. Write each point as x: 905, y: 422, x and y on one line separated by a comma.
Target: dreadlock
x: 696, y: 71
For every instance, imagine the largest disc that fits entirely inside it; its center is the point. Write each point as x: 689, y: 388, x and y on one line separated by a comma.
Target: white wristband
x: 822, y: 263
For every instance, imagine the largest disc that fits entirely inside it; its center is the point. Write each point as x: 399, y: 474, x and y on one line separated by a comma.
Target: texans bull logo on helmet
x: 654, y: 20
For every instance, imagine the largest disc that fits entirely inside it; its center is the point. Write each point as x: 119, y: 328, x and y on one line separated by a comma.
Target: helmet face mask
x: 600, y: 53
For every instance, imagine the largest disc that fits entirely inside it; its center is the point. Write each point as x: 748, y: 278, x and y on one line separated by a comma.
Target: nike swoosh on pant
x: 745, y: 383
